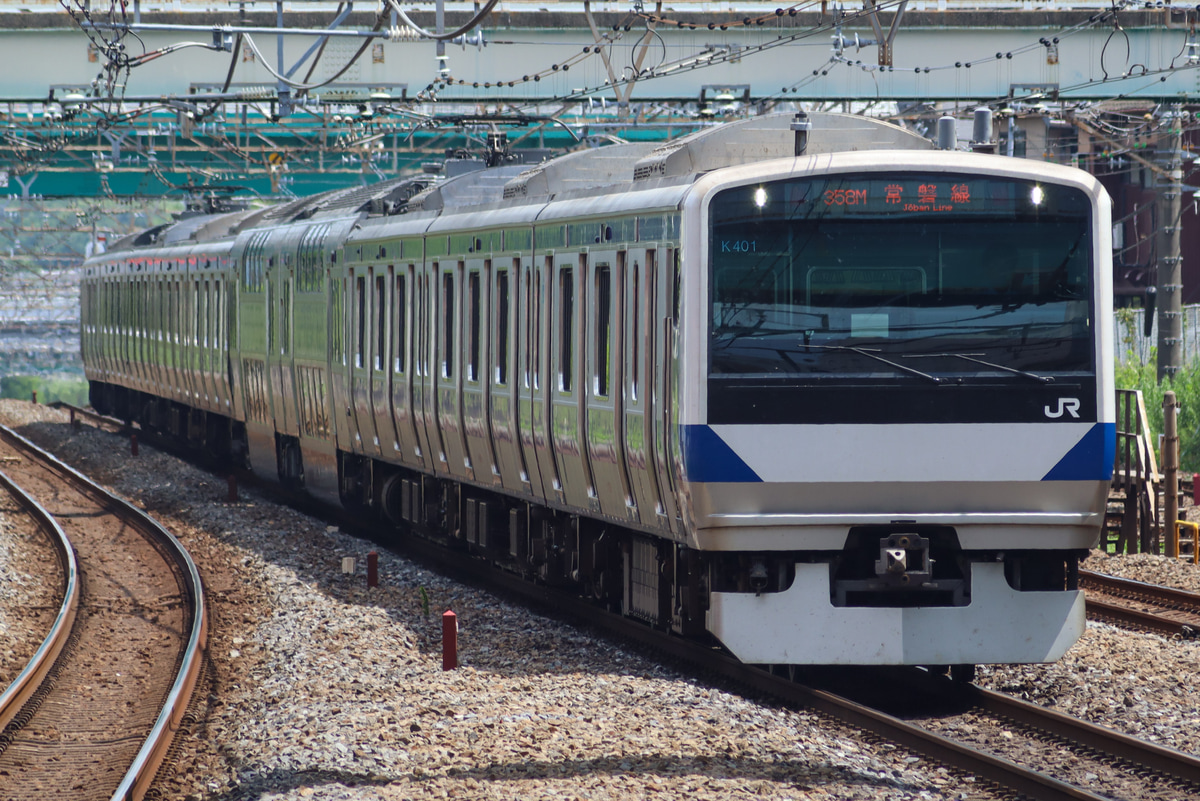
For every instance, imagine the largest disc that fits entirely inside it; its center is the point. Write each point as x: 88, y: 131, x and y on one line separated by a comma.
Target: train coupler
x: 904, y: 559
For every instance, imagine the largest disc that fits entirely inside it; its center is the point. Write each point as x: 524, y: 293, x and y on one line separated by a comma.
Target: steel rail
x: 1166, y: 596
x: 1101, y: 738
x: 141, y: 772
x: 30, y: 679
x: 1138, y: 618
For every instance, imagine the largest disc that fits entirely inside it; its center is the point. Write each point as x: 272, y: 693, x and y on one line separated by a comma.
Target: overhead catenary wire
x: 444, y: 37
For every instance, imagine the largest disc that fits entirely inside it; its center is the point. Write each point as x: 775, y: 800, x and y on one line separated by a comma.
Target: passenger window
x: 360, y: 341
x: 502, y: 326
x: 401, y: 323
x: 447, y: 324
x: 635, y: 337
x: 380, y: 321
x: 566, y: 288
x: 475, y: 320
x: 603, y: 327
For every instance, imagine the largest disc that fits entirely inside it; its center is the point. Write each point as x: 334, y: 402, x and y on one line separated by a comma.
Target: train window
x: 475, y: 320
x: 380, y: 321
x: 337, y: 322
x: 530, y: 313
x: 673, y: 260
x: 195, y: 313
x: 650, y: 229
x: 447, y: 324
x: 603, y: 328
x: 502, y: 325
x: 566, y: 289
x: 401, y: 323
x: 360, y: 340
x: 635, y: 333
x: 537, y: 321
x: 287, y: 291
x: 202, y: 324
x: 219, y: 341
x: 420, y: 327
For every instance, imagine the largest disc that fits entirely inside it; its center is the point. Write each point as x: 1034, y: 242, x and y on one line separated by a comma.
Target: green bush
x: 49, y: 390
x: 1186, y: 386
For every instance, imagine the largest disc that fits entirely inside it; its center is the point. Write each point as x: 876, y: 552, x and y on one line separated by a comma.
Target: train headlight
x: 760, y: 197
x: 1036, y: 196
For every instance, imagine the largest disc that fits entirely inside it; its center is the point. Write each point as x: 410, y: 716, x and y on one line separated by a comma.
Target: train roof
x: 617, y: 168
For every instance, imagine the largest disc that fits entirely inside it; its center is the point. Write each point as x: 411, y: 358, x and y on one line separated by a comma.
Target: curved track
x: 96, y: 714
x: 1139, y: 605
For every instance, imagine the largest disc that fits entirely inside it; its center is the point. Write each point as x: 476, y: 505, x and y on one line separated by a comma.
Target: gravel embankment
x: 321, y: 688
x: 30, y: 588
x: 1142, y: 684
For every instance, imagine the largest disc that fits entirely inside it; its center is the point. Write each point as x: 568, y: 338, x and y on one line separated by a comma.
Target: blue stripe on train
x: 1091, y: 459
x: 708, y: 459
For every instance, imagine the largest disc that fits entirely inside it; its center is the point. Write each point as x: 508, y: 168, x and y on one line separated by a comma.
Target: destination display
x: 906, y: 194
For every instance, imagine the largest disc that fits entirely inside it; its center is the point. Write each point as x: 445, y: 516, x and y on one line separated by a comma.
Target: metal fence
x: 1133, y: 346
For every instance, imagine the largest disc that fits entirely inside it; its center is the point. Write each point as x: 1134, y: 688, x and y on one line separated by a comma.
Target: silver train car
x: 818, y: 391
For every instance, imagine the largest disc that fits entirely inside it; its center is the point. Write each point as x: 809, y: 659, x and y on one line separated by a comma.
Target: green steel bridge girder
x: 153, y: 160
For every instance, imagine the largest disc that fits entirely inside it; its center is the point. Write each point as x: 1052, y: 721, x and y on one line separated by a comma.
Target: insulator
x: 403, y: 33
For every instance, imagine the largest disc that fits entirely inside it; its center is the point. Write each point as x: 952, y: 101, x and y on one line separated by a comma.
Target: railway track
x: 1139, y: 605
x: 94, y: 713
x: 1090, y: 761
x: 1114, y: 759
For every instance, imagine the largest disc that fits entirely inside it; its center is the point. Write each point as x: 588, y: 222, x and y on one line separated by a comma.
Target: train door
x: 221, y: 343
x: 215, y: 368
x: 191, y: 299
x: 363, y: 423
x: 507, y: 359
x: 154, y: 332
x: 424, y: 388
x: 567, y: 385
x: 542, y: 379
x: 603, y: 394
x: 665, y: 291
x: 639, y: 448
x: 448, y: 369
x: 407, y: 445
x: 281, y: 285
x: 204, y: 354
x: 339, y: 360
x: 528, y: 328
x: 381, y: 337
x: 476, y: 403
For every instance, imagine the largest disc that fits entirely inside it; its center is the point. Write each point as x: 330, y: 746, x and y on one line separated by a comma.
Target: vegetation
x: 1185, y: 385
x: 49, y: 390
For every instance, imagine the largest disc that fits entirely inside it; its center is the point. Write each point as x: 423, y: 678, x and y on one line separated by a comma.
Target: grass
x: 49, y: 390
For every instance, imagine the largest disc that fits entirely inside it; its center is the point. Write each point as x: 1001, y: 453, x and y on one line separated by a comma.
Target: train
x: 810, y: 386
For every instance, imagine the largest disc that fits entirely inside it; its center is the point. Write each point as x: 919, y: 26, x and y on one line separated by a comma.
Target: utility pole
x: 1170, y: 271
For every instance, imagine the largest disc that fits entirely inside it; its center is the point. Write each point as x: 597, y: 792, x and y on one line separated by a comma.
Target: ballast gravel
x: 319, y: 688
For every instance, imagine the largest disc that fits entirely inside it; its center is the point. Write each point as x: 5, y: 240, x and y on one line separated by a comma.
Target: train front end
x: 896, y: 407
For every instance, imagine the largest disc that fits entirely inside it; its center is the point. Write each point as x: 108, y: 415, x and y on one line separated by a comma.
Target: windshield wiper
x: 872, y: 355
x: 970, y: 357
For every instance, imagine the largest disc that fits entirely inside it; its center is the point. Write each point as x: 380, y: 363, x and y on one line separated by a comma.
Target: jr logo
x: 1070, y: 405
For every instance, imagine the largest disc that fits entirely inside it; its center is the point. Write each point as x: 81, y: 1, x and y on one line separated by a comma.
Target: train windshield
x: 901, y: 277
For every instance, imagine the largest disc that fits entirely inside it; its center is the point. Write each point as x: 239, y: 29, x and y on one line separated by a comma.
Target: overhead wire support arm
x: 885, y: 41
x: 623, y: 88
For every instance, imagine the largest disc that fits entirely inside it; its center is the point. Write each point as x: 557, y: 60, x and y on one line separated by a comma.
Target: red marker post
x: 133, y: 448
x: 372, y: 569
x: 449, y: 640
